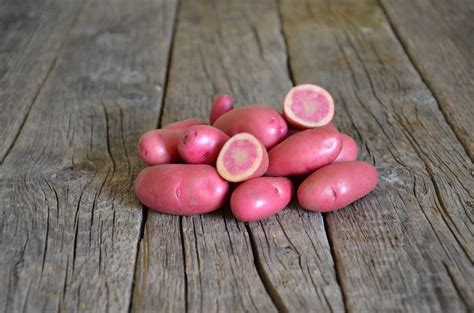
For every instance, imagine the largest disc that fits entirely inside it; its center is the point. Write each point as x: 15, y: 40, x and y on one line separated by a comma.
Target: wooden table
x: 81, y: 80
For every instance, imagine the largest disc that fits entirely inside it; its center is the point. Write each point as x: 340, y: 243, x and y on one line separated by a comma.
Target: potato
x: 262, y: 121
x: 222, y: 104
x: 308, y: 106
x: 201, y: 144
x: 349, y: 149
x: 336, y: 186
x: 260, y: 197
x: 241, y: 158
x: 184, y: 124
x: 304, y: 152
x: 159, y: 146
x: 181, y: 189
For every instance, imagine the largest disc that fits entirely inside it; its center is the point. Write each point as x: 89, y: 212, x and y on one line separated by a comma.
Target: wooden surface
x: 437, y: 36
x: 81, y: 80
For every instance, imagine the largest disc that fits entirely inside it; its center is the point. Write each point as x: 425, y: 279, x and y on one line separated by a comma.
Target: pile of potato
x: 257, y: 153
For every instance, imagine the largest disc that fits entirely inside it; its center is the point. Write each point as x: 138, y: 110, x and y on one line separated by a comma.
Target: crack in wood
x: 270, y: 289
x: 184, y: 253
x: 337, y: 269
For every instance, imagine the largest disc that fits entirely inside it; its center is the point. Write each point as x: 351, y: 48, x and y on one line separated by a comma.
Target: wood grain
x: 295, y: 257
x: 70, y: 223
x: 408, y: 245
x: 234, y: 47
x: 437, y: 35
x: 31, y: 36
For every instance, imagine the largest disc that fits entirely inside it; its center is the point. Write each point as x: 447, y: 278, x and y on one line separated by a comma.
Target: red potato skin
x: 330, y: 125
x: 349, y: 149
x: 292, y: 131
x: 298, y: 128
x: 159, y: 146
x: 304, y: 152
x: 201, y: 144
x: 221, y: 105
x: 184, y: 124
x: 260, y: 197
x: 336, y: 186
x: 262, y: 121
x: 181, y: 189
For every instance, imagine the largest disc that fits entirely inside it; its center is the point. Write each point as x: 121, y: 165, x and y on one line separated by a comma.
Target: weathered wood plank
x: 408, y: 245
x: 31, y: 34
x: 437, y: 35
x: 70, y: 223
x: 295, y: 257
x: 234, y: 47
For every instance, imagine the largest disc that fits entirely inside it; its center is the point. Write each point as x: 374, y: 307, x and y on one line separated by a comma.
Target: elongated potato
x: 336, y: 186
x: 304, y: 152
x: 260, y: 197
x: 262, y: 121
x: 159, y: 146
x: 181, y: 189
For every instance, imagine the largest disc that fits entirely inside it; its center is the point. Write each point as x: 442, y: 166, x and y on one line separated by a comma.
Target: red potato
x: 260, y: 197
x: 159, y: 146
x: 262, y: 121
x: 291, y: 132
x: 201, y: 144
x: 304, y: 152
x: 331, y: 126
x: 308, y: 106
x: 184, y: 124
x: 336, y: 186
x: 241, y: 158
x: 222, y: 104
x: 181, y: 189
x: 349, y: 149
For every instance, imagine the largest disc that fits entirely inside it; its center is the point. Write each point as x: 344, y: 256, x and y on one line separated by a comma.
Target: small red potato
x: 241, y: 158
x: 159, y: 146
x: 222, y: 104
x: 184, y: 124
x: 260, y: 197
x: 349, y: 149
x: 308, y: 106
x: 262, y: 121
x: 181, y: 189
x: 304, y: 152
x: 336, y: 186
x: 201, y: 144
